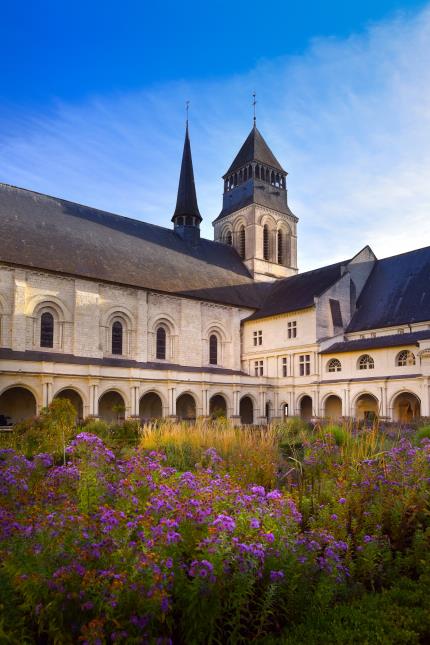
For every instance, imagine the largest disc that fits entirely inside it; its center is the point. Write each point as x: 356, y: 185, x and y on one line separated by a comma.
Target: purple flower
x: 276, y: 575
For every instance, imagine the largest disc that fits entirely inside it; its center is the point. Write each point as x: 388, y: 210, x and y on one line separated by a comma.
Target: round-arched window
x: 404, y: 358
x: 266, y: 246
x: 161, y: 344
x: 117, y: 337
x: 280, y: 247
x: 213, y: 350
x: 366, y: 362
x: 242, y: 242
x: 334, y: 365
x: 47, y: 329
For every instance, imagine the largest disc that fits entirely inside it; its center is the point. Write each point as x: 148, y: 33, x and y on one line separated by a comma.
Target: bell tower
x: 255, y: 216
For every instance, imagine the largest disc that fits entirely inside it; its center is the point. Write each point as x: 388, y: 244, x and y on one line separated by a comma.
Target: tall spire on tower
x: 187, y: 211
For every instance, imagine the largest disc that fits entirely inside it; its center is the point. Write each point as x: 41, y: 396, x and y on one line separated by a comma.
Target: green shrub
x: 422, y: 433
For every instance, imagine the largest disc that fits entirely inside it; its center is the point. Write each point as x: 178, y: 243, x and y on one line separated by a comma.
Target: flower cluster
x: 120, y: 550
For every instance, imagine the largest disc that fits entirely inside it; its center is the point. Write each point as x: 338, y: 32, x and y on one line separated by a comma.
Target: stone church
x: 130, y: 319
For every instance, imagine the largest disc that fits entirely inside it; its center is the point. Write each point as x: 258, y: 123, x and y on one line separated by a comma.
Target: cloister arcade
x: 23, y: 400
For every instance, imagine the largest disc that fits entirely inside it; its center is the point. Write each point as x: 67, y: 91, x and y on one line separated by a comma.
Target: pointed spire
x: 256, y: 149
x: 186, y: 203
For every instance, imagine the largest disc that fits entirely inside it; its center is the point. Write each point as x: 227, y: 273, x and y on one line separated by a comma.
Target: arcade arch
x: 17, y: 404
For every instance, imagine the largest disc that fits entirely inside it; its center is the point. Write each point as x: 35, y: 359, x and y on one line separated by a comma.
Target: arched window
x: 117, y: 336
x: 257, y: 172
x: 242, y: 242
x: 267, y: 175
x: 161, y: 344
x: 229, y: 238
x: 249, y: 171
x: 366, y: 362
x: 245, y: 174
x: 334, y: 365
x: 272, y: 178
x: 404, y: 358
x: 213, y: 350
x: 47, y: 329
x: 280, y: 247
x: 266, y: 247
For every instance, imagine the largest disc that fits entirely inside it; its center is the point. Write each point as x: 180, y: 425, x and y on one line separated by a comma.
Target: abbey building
x: 130, y: 319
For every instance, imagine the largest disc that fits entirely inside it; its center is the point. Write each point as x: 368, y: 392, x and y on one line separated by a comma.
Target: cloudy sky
x: 346, y: 112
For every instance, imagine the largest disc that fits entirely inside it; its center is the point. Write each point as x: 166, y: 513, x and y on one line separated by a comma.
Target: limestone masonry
x: 128, y: 319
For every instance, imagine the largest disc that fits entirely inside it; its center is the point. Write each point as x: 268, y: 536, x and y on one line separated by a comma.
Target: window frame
x: 408, y: 355
x: 160, y: 343
x: 47, y: 332
x: 120, y: 340
x: 284, y: 367
x: 331, y: 363
x: 304, y: 364
x: 292, y: 329
x: 213, y: 352
x: 259, y: 367
x: 258, y: 337
x: 365, y: 362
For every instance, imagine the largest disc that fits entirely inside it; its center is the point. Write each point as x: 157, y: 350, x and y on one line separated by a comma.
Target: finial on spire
x: 187, y: 107
x: 254, y: 103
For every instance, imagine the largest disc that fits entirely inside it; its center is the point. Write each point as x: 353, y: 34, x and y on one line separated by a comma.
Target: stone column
x: 134, y: 400
x: 235, y: 417
x: 205, y: 402
x: 47, y: 387
x: 262, y: 419
x: 94, y: 399
x: 384, y: 412
x: 172, y: 402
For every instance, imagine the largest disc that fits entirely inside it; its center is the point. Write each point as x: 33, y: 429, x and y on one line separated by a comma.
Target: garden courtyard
x: 208, y: 533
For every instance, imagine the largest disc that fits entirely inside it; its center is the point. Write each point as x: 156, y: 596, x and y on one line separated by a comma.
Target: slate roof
x: 391, y: 340
x: 186, y: 203
x: 254, y: 149
x: 396, y: 293
x: 56, y: 235
x: 298, y: 291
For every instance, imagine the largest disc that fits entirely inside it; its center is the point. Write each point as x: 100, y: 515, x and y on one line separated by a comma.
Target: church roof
x: 254, y: 149
x: 56, y: 235
x: 396, y: 293
x: 186, y: 203
x: 298, y: 291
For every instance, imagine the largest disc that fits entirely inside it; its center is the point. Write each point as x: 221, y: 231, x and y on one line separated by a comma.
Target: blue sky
x: 92, y: 96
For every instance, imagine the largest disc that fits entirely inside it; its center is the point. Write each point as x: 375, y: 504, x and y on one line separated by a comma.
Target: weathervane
x: 254, y: 103
x: 187, y: 107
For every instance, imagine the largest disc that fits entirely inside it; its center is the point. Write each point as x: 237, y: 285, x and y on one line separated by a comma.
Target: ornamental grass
x: 168, y: 540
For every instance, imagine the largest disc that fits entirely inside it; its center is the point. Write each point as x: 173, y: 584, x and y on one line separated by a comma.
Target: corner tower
x: 255, y: 216
x: 186, y: 218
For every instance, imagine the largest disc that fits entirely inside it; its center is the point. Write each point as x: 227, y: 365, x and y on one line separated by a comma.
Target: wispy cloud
x: 349, y: 119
